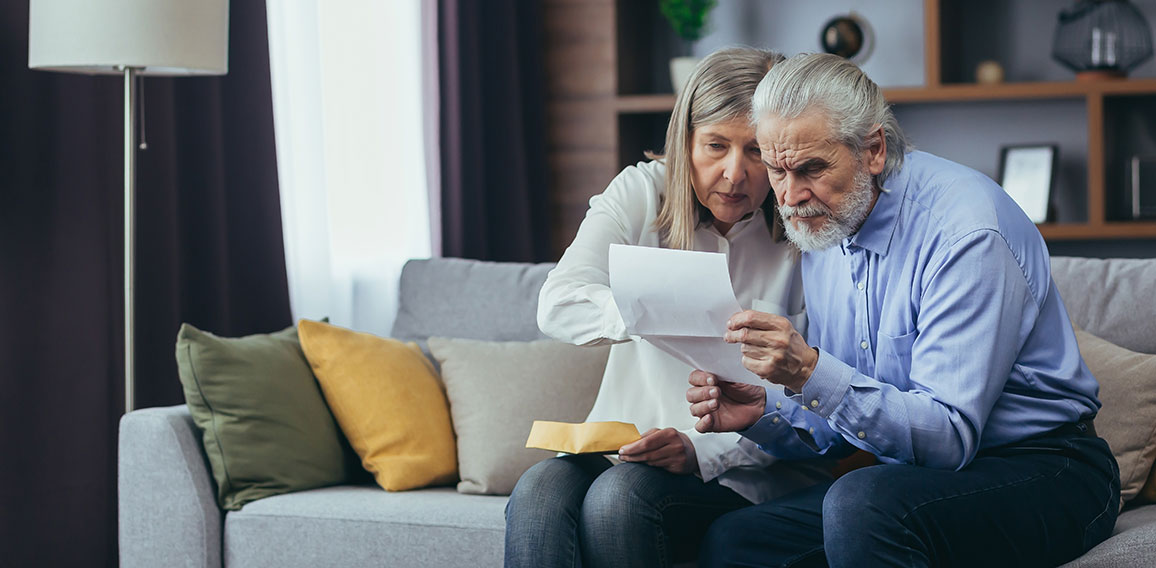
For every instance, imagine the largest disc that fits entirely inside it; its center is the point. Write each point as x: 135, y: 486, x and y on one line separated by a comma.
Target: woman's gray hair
x: 719, y: 90
x: 853, y: 103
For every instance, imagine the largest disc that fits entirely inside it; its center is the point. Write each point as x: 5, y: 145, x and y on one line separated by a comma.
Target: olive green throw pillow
x: 265, y: 425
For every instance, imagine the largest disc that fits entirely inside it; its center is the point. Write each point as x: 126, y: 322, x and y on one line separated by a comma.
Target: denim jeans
x: 1041, y: 502
x: 581, y: 510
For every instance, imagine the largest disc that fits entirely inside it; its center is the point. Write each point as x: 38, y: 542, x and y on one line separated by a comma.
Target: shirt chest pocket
x: 893, y: 359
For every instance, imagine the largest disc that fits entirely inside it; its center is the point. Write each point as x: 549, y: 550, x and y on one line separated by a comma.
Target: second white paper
x: 680, y: 301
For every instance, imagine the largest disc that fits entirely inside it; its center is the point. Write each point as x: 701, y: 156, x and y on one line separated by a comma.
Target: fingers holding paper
x: 723, y: 406
x: 772, y: 348
x: 667, y: 448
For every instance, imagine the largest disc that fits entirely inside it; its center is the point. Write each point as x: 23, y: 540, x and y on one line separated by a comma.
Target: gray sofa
x: 169, y: 516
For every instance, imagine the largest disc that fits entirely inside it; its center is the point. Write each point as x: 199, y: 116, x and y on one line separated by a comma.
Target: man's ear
x: 876, y: 153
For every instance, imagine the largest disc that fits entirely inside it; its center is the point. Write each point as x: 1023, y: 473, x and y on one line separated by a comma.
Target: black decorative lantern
x: 1102, y: 39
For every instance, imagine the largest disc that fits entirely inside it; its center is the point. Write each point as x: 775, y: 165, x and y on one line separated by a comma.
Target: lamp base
x: 1099, y: 75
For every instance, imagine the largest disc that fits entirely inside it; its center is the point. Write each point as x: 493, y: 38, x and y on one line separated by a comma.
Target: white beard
x: 838, y: 225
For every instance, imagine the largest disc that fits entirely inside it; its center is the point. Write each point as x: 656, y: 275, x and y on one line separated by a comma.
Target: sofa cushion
x: 266, y: 428
x: 1110, y: 298
x: 1132, y: 544
x: 388, y: 402
x: 365, y: 526
x: 496, y: 391
x: 472, y: 299
x: 1127, y: 419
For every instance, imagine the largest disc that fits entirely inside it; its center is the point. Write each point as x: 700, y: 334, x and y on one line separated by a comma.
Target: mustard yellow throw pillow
x: 388, y: 402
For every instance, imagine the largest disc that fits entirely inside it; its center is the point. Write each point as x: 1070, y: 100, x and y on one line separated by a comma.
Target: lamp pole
x: 130, y: 38
x: 130, y: 95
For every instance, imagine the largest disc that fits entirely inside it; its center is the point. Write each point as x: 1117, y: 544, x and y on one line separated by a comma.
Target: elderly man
x: 936, y: 341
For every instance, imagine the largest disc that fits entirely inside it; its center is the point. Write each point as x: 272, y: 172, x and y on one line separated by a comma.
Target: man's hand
x: 723, y: 406
x: 667, y: 448
x: 772, y: 349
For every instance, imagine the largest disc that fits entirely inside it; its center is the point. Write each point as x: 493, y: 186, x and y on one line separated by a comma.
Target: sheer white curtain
x: 347, y: 107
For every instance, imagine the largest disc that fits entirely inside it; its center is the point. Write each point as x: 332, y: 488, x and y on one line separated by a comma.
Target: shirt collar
x: 877, y: 231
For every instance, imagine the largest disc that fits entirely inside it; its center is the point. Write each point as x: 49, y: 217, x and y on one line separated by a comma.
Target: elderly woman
x: 707, y: 193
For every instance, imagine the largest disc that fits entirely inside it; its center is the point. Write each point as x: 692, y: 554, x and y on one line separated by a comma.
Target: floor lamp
x: 131, y: 38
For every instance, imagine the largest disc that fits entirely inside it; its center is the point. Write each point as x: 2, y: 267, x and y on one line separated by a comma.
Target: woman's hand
x: 667, y: 448
x: 723, y: 406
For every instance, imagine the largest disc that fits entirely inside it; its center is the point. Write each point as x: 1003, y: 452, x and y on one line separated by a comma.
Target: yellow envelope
x: 584, y: 438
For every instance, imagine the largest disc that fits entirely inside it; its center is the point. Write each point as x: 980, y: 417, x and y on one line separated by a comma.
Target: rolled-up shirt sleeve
x: 719, y: 452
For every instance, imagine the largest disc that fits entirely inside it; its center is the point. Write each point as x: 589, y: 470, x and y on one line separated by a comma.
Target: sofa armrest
x: 167, y: 500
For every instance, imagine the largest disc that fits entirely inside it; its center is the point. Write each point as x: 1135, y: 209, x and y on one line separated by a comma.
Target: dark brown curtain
x: 209, y: 251
x: 494, y: 196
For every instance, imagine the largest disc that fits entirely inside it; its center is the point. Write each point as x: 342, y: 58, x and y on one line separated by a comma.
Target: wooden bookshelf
x: 621, y: 111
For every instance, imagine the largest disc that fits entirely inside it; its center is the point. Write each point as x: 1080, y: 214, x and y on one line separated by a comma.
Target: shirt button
x: 863, y: 344
x: 812, y: 430
x: 775, y: 420
x: 861, y: 434
x: 861, y: 285
x: 815, y: 404
x: 778, y: 404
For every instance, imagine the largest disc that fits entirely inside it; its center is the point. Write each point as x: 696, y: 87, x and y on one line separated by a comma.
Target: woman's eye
x: 715, y: 146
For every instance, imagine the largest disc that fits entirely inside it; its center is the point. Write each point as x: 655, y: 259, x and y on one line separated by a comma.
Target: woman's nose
x: 734, y: 171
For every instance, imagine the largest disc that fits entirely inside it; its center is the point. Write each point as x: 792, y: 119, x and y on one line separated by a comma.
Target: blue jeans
x: 1040, y: 502
x: 581, y: 510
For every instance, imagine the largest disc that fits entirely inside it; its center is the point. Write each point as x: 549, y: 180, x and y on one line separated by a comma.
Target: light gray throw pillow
x: 1127, y: 421
x: 498, y: 389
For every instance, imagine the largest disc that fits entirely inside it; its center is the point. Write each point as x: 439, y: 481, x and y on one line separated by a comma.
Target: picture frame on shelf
x: 1027, y: 172
x: 1142, y: 187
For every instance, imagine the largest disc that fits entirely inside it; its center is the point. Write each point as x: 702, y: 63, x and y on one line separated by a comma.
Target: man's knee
x: 866, y: 493
x: 864, y: 515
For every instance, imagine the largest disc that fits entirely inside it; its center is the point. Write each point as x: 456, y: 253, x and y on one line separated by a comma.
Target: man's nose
x: 793, y: 190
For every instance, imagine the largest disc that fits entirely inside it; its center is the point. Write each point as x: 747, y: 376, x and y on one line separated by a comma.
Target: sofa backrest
x: 498, y: 301
x: 470, y: 299
x: 1111, y: 298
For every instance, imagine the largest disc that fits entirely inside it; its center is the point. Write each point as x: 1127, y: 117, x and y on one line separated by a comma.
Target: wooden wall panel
x: 582, y: 129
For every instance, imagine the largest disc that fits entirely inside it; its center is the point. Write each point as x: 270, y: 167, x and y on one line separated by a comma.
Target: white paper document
x: 680, y: 302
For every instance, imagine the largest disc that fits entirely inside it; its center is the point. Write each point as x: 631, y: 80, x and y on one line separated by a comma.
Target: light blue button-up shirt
x: 939, y: 328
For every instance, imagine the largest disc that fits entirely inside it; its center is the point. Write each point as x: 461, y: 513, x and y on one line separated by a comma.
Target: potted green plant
x: 688, y: 18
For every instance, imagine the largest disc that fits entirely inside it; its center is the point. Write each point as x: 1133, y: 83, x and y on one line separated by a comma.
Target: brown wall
x: 583, y: 129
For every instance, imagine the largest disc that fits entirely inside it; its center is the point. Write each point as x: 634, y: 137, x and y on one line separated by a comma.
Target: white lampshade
x: 159, y: 37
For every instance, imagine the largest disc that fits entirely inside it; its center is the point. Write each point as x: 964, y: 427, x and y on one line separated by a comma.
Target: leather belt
x: 1085, y: 428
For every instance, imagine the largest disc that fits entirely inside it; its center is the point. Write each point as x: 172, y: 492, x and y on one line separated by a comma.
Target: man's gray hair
x: 853, y: 103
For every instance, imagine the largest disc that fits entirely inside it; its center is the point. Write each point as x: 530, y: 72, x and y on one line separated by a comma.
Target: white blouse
x: 642, y: 385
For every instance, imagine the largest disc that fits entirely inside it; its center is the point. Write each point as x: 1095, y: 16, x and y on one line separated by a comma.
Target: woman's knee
x: 625, y: 487
x: 549, y: 487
